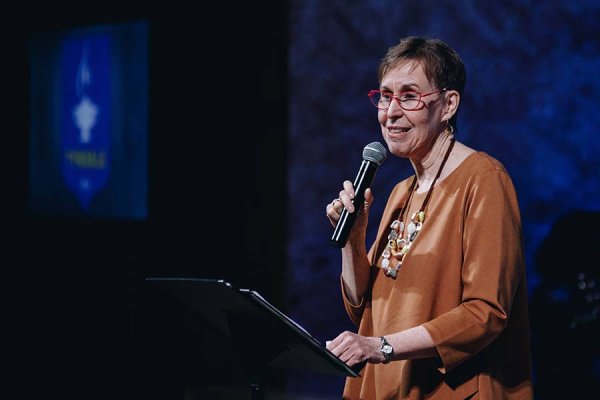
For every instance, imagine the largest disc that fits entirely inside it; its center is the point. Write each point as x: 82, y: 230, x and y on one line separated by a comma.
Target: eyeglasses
x: 409, y: 101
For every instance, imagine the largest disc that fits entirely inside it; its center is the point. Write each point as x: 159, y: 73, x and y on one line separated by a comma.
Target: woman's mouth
x: 397, y: 130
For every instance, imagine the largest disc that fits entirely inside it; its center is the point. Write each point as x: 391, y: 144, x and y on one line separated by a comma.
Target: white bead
x: 386, y: 253
x: 411, y: 228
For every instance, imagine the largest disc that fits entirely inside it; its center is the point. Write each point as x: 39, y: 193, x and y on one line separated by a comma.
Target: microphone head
x: 375, y: 152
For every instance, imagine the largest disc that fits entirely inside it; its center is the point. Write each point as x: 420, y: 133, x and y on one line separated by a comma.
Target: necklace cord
x: 407, y: 202
x: 437, y: 175
x: 414, y: 182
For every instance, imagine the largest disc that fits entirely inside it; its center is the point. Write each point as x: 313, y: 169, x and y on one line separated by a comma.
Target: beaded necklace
x: 397, y: 245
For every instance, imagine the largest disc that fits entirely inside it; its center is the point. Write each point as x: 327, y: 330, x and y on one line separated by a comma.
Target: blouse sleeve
x: 355, y: 312
x: 492, y: 269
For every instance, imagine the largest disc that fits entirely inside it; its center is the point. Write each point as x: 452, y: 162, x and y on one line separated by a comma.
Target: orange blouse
x: 463, y: 279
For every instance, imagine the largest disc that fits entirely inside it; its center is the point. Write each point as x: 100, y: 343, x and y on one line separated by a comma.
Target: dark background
x: 238, y: 190
x: 83, y: 324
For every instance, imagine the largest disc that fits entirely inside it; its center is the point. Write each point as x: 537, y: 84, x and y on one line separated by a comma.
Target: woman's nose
x: 394, y: 110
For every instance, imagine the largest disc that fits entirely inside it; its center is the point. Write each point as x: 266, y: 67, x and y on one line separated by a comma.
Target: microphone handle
x: 363, y: 180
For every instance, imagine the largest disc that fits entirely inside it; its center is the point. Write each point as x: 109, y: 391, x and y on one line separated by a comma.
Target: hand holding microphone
x: 374, y: 154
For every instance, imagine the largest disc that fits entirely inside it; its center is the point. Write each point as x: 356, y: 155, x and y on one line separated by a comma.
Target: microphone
x: 374, y: 155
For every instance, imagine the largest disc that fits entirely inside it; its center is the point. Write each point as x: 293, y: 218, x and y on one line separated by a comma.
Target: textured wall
x: 531, y: 101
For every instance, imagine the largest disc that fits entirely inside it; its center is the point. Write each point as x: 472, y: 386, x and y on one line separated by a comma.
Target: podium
x: 262, y: 336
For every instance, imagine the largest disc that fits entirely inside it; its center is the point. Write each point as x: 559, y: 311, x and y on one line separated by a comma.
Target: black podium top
x: 263, y: 335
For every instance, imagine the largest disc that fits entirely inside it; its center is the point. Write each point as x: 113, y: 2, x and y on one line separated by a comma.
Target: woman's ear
x: 451, y: 105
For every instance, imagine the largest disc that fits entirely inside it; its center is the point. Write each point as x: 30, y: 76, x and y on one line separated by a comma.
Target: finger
x: 353, y: 361
x: 347, y: 196
x: 338, y: 205
x: 349, y: 188
x: 369, y: 196
x: 334, y: 344
x: 337, y: 351
x: 346, y: 201
x: 339, y: 343
x: 343, y: 351
x: 368, y: 201
x: 345, y: 357
x: 335, y: 205
x: 331, y: 213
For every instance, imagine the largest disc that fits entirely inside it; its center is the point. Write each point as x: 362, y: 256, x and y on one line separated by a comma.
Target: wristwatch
x: 387, y: 350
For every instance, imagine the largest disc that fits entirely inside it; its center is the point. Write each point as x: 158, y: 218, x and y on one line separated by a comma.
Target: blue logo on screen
x: 85, y: 131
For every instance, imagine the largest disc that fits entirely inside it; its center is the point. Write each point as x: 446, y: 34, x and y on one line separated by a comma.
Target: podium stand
x: 262, y: 336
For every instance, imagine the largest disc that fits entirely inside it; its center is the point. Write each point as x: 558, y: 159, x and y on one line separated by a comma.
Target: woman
x: 440, y: 297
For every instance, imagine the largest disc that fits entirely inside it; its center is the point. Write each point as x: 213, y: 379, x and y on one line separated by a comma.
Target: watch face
x: 387, y: 349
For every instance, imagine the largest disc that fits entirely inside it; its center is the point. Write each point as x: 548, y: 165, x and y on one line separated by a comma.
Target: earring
x: 449, y: 128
